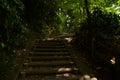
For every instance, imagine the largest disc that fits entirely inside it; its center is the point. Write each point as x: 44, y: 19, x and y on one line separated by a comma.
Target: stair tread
x: 49, y: 57
x: 49, y: 63
x: 44, y: 46
x: 66, y: 76
x: 47, y: 53
x: 48, y: 70
x: 49, y: 50
x: 48, y: 44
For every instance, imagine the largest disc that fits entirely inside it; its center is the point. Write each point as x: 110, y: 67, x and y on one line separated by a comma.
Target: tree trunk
x: 87, y: 10
x: 90, y: 29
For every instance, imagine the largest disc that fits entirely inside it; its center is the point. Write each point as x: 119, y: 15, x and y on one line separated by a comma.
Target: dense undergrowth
x: 101, y: 25
x: 12, y: 34
x: 99, y: 36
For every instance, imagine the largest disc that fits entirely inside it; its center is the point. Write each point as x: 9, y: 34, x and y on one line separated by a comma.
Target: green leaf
x: 2, y: 45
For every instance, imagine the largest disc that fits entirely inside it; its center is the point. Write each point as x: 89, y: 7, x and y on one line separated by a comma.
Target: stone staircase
x: 49, y: 60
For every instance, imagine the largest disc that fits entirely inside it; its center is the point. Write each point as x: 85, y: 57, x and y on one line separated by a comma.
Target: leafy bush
x: 12, y: 33
x: 100, y: 30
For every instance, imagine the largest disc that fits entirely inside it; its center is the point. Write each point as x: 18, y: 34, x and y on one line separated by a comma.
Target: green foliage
x: 70, y: 12
x: 12, y: 33
x: 102, y: 26
x: 102, y: 3
x: 39, y: 13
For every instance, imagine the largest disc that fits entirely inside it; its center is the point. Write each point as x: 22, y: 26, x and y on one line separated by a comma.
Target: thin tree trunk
x: 87, y: 10
x: 90, y: 29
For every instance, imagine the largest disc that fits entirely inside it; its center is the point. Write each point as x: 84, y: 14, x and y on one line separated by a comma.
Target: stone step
x: 44, y: 58
x: 50, y: 50
x: 49, y: 53
x: 48, y: 41
x: 54, y: 41
x: 49, y: 63
x: 48, y: 44
x: 48, y: 71
x: 50, y: 66
x: 53, y: 49
x: 66, y: 76
x: 50, y: 47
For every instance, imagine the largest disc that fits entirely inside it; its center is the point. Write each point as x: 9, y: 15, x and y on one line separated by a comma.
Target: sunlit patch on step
x: 93, y: 78
x: 69, y: 39
x: 87, y: 77
x: 48, y: 39
x: 72, y: 70
x: 112, y: 60
x: 63, y: 75
x: 64, y: 69
x: 67, y: 75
